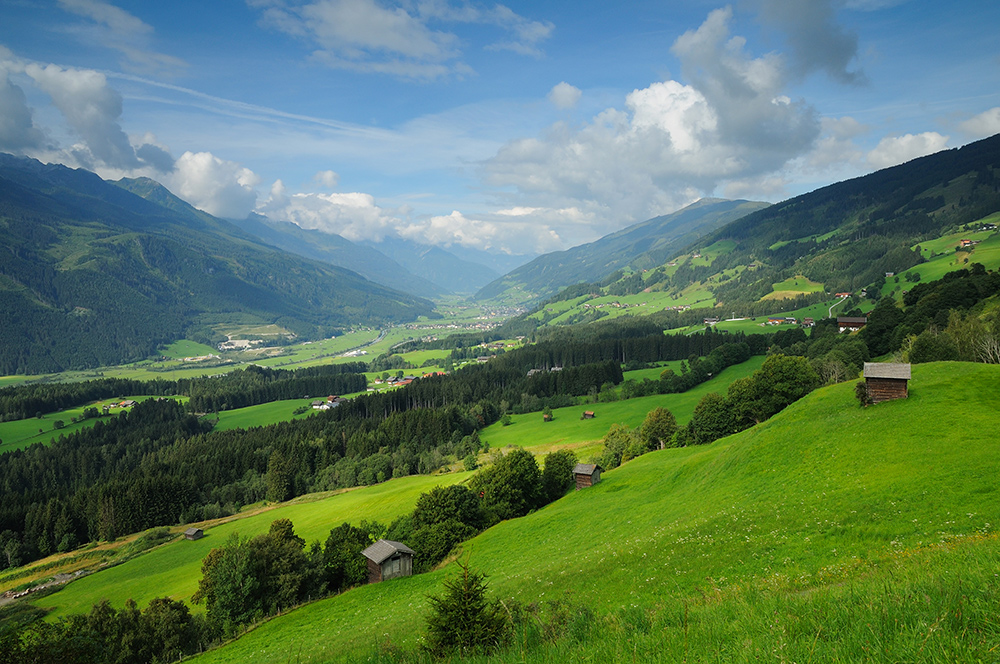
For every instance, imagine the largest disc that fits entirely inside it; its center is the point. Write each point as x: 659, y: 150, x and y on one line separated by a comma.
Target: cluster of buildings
x: 329, y: 403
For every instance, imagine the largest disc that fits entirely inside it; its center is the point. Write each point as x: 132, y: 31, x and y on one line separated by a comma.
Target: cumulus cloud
x: 221, y: 188
x: 894, y: 150
x: 401, y: 39
x: 91, y: 107
x: 816, y: 41
x: 17, y: 128
x: 985, y: 124
x: 354, y: 216
x: 328, y: 179
x: 673, y: 142
x: 564, y: 95
x: 115, y: 28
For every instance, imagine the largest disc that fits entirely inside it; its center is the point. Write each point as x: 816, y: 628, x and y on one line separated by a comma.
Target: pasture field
x: 568, y: 431
x: 173, y: 569
x: 793, y: 287
x: 654, y: 373
x: 263, y: 414
x: 186, y: 348
x: 19, y: 434
x: 878, y: 544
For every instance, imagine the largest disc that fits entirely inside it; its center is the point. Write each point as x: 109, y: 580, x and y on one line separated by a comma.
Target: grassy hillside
x: 567, y: 430
x: 174, y: 569
x: 774, y: 541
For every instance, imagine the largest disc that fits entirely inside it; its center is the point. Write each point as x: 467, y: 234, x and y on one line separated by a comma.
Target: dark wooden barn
x: 586, y: 474
x: 194, y: 533
x: 387, y: 560
x: 886, y: 380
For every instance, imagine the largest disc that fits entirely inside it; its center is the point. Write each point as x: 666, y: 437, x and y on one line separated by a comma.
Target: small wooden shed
x: 586, y: 474
x: 387, y: 560
x: 587, y: 415
x: 194, y: 533
x: 886, y: 380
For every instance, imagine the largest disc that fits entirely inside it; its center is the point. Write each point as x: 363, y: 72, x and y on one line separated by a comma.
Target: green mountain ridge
x: 641, y: 245
x: 93, y: 274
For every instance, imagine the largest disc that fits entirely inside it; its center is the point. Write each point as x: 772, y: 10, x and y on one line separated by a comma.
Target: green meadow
x: 568, y: 430
x: 263, y: 414
x: 792, y: 287
x: 173, y: 569
x: 19, y: 434
x: 829, y: 533
x: 186, y: 348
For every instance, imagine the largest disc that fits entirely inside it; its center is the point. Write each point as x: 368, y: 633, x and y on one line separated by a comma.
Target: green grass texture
x: 173, y: 570
x: 864, y: 513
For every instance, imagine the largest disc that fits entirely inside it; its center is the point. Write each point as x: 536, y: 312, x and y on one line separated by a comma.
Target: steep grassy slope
x: 862, y: 509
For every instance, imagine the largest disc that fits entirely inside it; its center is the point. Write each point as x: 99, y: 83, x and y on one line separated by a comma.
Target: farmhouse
x: 387, y: 560
x: 886, y: 380
x: 194, y: 533
x: 851, y: 323
x: 586, y: 474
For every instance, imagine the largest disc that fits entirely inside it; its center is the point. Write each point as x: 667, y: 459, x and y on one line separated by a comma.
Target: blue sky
x: 525, y: 127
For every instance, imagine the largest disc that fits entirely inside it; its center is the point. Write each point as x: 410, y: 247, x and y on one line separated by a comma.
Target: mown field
x: 829, y: 533
x: 173, y: 569
x: 567, y: 430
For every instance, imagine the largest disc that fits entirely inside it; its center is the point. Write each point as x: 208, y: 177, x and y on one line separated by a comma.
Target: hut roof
x: 586, y: 468
x: 383, y: 549
x: 887, y: 370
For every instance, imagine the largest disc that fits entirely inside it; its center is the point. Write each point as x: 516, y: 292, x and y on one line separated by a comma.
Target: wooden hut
x: 387, y: 560
x: 851, y: 323
x: 886, y: 380
x: 194, y: 533
x: 587, y: 415
x: 586, y: 474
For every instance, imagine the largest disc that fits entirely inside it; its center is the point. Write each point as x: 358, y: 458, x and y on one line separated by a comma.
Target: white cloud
x: 731, y: 125
x: 894, y: 150
x: 401, y: 39
x: 564, y: 95
x: 221, y: 188
x: 328, y: 179
x: 985, y: 124
x: 17, y: 127
x: 91, y: 107
x: 115, y: 28
x: 354, y: 216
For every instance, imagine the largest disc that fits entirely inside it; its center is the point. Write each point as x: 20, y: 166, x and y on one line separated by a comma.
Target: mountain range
x: 95, y: 273
x: 641, y: 245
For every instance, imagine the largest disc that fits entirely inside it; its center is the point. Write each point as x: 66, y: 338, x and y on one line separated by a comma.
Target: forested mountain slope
x: 92, y: 274
x: 848, y: 235
x: 642, y: 245
x: 331, y: 248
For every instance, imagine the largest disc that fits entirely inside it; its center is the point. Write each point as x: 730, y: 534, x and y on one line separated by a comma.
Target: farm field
x: 263, y: 414
x: 173, y: 569
x: 793, y: 287
x: 19, y: 434
x: 780, y: 537
x: 567, y: 430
